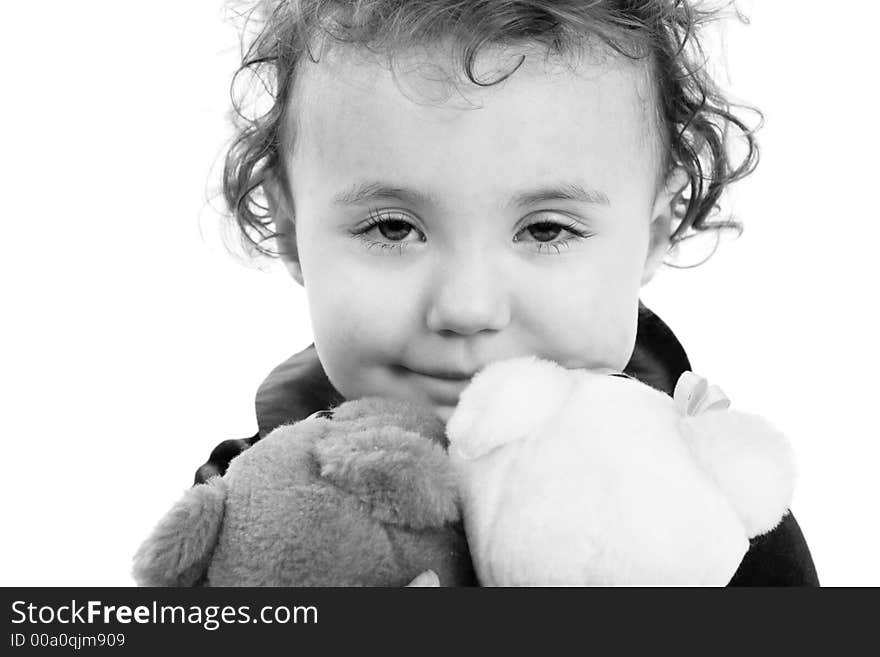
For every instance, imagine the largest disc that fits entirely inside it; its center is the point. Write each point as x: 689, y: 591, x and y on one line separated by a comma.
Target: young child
x: 456, y: 183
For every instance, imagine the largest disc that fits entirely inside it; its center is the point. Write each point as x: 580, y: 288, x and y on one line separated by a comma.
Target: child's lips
x: 442, y: 387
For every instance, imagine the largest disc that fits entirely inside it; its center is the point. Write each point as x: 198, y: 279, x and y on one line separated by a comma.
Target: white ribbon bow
x: 693, y: 395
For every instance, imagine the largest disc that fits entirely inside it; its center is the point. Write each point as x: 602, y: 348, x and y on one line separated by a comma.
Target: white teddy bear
x: 577, y: 477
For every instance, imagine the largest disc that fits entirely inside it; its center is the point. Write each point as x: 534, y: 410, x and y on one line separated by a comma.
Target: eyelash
x: 378, y: 218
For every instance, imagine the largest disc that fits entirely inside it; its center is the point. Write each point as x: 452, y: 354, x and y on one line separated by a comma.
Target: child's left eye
x: 544, y: 234
x: 544, y: 231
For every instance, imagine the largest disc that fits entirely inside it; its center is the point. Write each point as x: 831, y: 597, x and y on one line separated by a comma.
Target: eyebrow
x: 368, y: 191
x: 564, y: 192
x: 365, y: 192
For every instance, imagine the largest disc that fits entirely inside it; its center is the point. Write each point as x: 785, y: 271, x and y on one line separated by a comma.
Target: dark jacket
x: 299, y: 387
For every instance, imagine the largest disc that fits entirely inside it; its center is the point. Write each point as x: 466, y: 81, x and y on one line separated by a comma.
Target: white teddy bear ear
x: 507, y: 401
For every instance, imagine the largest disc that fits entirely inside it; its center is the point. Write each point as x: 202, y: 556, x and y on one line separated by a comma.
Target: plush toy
x: 575, y: 477
x: 361, y: 496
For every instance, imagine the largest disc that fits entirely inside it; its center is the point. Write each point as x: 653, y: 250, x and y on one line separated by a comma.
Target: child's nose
x: 468, y: 295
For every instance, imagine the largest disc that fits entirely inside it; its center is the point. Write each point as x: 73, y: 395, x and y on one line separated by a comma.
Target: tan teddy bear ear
x: 368, y: 412
x: 400, y: 476
x: 179, y: 549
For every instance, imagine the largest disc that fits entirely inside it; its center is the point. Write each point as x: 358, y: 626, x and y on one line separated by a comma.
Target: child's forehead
x: 354, y: 111
x: 440, y: 66
x: 434, y: 76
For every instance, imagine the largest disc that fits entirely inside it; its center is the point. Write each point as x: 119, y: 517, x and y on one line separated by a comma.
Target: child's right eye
x: 395, y: 230
x: 388, y: 230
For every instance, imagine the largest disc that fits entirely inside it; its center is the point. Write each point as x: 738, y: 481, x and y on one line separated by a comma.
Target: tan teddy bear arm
x: 179, y: 549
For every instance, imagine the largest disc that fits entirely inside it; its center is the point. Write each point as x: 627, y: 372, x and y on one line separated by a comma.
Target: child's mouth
x: 442, y: 386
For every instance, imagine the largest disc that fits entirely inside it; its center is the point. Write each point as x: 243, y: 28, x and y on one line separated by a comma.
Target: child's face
x: 433, y: 239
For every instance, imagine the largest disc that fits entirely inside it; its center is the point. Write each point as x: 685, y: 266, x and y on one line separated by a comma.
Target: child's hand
x: 427, y: 578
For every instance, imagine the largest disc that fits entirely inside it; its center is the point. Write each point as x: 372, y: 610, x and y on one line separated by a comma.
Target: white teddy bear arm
x: 749, y: 459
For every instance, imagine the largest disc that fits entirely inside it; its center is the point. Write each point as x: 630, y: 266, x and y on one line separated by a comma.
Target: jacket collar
x: 299, y: 386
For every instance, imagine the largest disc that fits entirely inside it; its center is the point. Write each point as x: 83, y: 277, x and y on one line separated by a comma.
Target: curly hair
x: 697, y: 122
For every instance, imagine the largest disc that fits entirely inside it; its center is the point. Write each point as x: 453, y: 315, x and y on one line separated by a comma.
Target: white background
x: 132, y: 343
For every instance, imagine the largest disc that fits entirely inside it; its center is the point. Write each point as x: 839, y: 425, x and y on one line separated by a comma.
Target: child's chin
x: 444, y: 412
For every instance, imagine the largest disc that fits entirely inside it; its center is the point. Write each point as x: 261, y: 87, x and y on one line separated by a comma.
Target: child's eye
x: 388, y: 230
x: 394, y: 230
x: 546, y: 234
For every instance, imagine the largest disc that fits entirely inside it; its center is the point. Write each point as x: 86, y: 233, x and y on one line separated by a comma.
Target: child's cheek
x: 364, y: 314
x: 593, y: 323
x: 600, y: 335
